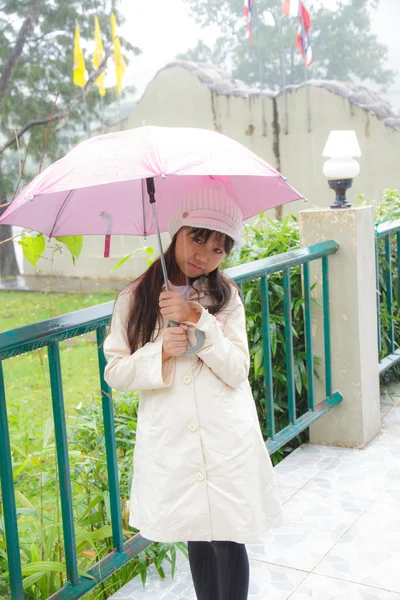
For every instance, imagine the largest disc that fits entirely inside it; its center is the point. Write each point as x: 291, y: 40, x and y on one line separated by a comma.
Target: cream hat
x: 210, y: 207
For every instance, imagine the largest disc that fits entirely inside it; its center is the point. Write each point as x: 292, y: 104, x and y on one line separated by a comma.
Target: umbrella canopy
x: 99, y: 187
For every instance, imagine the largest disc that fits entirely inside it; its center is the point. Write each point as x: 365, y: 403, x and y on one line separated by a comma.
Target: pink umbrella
x: 99, y: 187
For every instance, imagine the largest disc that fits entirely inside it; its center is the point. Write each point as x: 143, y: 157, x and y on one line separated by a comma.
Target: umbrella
x: 100, y: 186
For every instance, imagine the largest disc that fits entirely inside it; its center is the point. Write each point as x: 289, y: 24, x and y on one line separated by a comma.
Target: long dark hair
x: 144, y: 316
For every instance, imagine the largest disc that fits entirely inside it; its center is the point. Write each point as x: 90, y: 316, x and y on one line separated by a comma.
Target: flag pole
x: 307, y: 98
x: 283, y: 74
x: 308, y: 114
x: 261, y: 77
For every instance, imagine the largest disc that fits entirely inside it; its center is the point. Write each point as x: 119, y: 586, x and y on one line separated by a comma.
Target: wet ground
x: 341, y: 538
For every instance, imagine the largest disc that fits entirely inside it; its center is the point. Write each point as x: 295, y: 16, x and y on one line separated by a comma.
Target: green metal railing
x: 51, y: 332
x: 387, y: 246
x: 262, y: 269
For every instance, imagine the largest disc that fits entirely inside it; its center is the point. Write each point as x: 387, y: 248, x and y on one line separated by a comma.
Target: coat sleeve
x: 225, y: 352
x: 142, y: 370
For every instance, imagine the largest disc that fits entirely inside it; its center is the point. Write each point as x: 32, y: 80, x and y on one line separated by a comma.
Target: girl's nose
x: 201, y: 258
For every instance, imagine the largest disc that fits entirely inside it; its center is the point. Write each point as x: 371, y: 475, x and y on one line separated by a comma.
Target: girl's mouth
x: 195, y: 267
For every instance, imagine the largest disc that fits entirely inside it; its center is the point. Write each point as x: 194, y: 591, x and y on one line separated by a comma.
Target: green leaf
x: 297, y: 378
x: 142, y: 561
x: 95, y: 536
x: 46, y: 566
x: 48, y: 430
x: 258, y: 358
x: 74, y: 244
x: 94, y: 501
x: 93, y: 518
x: 35, y: 553
x: 148, y: 250
x: 183, y: 548
x: 273, y: 337
x: 51, y: 533
x: 121, y: 262
x: 107, y: 504
x: 33, y: 245
x: 24, y: 500
x: 173, y: 560
x: 29, y: 581
x: 22, y: 466
x: 28, y: 512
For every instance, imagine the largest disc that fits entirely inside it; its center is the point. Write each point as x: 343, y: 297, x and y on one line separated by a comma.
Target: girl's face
x: 195, y: 256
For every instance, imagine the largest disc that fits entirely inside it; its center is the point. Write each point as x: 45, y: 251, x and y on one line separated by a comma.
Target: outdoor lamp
x: 341, y: 148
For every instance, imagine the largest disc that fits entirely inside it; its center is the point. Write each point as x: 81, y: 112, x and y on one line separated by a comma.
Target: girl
x: 202, y: 473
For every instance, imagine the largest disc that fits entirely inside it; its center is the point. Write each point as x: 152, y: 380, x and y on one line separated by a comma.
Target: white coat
x: 201, y: 468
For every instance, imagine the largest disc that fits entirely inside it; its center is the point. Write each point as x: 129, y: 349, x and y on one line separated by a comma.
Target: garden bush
x: 386, y: 211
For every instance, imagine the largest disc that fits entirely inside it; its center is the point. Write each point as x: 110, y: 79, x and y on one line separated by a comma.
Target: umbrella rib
x: 62, y: 208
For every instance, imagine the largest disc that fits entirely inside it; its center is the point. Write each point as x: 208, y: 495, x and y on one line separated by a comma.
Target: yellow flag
x: 98, y: 57
x: 119, y: 60
x: 79, y: 76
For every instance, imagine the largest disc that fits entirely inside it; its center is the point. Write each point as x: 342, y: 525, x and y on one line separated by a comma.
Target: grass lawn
x: 27, y: 376
x: 23, y: 308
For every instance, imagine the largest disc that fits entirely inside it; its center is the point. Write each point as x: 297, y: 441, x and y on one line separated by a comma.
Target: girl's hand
x: 175, y: 342
x: 174, y: 307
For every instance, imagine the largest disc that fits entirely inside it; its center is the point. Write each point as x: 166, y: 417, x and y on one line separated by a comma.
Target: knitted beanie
x: 209, y: 207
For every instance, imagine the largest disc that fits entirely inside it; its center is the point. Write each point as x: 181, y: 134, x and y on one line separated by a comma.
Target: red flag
x: 291, y: 7
x: 303, y: 36
x: 248, y: 13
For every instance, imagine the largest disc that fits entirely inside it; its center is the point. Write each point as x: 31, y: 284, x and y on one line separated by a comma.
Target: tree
x: 343, y: 44
x: 36, y: 63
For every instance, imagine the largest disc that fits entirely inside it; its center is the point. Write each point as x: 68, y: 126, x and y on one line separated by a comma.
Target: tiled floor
x: 341, y: 538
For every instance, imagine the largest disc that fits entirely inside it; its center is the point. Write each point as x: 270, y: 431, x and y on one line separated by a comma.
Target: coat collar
x: 200, y: 289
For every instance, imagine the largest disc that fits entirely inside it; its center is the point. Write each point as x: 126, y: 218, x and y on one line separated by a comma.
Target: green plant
x: 387, y: 210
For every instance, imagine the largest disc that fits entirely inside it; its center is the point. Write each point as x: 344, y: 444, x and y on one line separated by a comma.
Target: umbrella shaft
x: 163, y: 265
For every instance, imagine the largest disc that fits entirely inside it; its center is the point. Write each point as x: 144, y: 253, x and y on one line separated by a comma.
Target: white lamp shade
x: 341, y: 144
x: 341, y: 168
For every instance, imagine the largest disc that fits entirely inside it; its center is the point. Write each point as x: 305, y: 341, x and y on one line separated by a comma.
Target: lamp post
x: 341, y: 148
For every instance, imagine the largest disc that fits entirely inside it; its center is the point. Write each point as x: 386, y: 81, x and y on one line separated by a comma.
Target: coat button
x: 187, y: 379
x: 193, y: 427
x: 199, y: 476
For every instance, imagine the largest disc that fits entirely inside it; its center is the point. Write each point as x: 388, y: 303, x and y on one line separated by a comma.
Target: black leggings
x: 220, y: 570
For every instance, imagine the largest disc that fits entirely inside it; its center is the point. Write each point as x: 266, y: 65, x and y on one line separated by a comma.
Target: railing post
x: 8, y: 496
x: 60, y: 430
x: 353, y: 324
x: 111, y: 450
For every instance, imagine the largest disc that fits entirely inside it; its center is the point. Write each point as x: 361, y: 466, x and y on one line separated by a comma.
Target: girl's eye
x: 218, y: 250
x: 198, y: 240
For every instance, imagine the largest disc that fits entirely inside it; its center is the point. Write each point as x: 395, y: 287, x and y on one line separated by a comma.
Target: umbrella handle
x: 200, y: 336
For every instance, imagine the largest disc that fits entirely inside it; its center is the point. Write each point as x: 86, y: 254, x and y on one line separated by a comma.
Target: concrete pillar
x: 354, y: 345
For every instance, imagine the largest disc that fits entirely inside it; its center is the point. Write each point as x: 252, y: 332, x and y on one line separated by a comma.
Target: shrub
x: 389, y: 210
